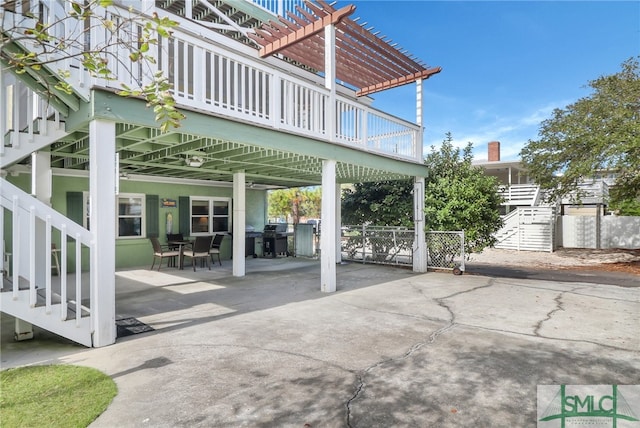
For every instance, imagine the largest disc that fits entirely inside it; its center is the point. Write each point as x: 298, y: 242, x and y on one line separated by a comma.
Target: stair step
x: 41, y: 298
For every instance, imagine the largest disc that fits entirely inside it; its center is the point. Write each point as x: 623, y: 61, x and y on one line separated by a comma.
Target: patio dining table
x: 180, y: 244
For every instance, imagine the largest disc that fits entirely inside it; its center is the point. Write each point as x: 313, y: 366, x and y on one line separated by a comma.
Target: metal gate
x: 394, y: 245
x: 445, y: 250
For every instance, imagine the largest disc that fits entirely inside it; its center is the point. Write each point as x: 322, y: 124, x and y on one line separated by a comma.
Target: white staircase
x: 528, y: 228
x: 30, y: 291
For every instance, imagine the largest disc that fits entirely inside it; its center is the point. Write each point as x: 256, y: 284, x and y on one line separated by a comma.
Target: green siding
x: 75, y: 209
x: 137, y: 252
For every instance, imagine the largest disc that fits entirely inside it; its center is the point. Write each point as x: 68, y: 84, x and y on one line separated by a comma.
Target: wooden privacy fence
x: 599, y: 232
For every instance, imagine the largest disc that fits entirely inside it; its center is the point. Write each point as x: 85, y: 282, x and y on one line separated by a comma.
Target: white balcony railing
x: 520, y: 194
x: 215, y: 74
x: 594, y: 192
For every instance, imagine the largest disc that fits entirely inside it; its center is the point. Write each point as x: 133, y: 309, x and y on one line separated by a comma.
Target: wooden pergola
x: 364, y: 60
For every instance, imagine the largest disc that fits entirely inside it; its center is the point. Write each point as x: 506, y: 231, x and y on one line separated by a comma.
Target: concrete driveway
x: 390, y: 348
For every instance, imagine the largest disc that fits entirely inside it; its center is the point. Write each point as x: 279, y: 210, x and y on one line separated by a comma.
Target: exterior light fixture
x: 194, y: 161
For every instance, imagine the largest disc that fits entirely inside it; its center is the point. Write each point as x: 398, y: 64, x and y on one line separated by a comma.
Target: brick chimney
x: 494, y: 151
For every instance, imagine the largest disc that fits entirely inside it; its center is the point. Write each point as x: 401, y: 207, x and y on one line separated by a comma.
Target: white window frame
x: 211, y: 201
x: 143, y: 211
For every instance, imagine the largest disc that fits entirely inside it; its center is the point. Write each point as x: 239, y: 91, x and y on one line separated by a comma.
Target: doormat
x: 130, y: 326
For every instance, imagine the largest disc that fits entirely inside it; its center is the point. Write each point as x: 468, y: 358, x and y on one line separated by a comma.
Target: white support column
x: 102, y: 217
x: 328, y: 237
x: 3, y: 110
x: 41, y: 185
x: 419, y: 120
x: 41, y: 188
x: 239, y: 223
x: 338, y: 224
x: 330, y: 77
x: 419, y: 238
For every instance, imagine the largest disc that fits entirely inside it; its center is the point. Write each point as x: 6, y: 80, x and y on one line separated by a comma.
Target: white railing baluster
x: 237, y: 92
x: 47, y: 264
x: 78, y: 279
x: 32, y: 256
x: 15, y: 122
x: 3, y: 250
x: 63, y: 272
x: 16, y: 248
x: 199, y: 75
x: 29, y: 115
x: 3, y: 111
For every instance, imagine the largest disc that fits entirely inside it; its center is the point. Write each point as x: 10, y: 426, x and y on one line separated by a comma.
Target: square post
x: 328, y: 235
x: 419, y: 238
x: 102, y: 217
x: 239, y: 223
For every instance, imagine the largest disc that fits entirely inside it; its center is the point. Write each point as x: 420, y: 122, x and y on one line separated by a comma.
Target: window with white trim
x: 131, y: 209
x: 210, y: 215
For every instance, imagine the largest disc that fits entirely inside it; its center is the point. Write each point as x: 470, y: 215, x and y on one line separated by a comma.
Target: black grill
x: 275, y: 239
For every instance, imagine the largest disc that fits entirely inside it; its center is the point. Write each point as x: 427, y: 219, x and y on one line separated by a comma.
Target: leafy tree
x: 458, y: 196
x: 295, y: 203
x: 50, y: 46
x: 597, y: 132
x: 381, y: 203
x: 630, y: 207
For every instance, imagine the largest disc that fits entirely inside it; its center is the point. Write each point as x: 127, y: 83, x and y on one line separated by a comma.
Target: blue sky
x: 505, y: 64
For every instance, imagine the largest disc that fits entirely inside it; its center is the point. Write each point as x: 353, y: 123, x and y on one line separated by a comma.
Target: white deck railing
x: 594, y: 192
x: 25, y: 115
x: 211, y: 73
x: 520, y: 194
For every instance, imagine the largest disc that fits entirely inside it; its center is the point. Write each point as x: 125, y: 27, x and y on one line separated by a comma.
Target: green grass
x: 53, y: 396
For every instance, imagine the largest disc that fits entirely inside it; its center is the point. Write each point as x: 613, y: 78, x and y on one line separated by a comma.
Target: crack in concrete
x: 415, y: 347
x: 563, y: 339
x: 559, y: 307
x: 399, y: 314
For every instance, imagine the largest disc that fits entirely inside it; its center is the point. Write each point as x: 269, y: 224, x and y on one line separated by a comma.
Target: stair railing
x: 28, y: 215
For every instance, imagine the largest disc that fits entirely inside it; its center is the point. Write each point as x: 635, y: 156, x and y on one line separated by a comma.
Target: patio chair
x: 199, y: 250
x: 161, y: 251
x: 174, y: 237
x: 215, y: 247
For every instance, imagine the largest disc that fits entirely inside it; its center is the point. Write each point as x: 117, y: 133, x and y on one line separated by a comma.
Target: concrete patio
x: 390, y: 348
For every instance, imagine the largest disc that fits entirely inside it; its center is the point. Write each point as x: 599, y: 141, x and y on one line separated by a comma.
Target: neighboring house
x: 577, y: 220
x: 88, y: 177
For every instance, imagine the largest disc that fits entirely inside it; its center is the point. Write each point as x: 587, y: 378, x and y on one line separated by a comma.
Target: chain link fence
x: 445, y: 250
x: 394, y: 246
x: 377, y: 244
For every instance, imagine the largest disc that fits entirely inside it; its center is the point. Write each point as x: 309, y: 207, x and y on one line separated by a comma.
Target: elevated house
x: 276, y: 94
x: 531, y: 222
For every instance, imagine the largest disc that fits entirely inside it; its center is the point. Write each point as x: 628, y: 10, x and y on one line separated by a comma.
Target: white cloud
x: 511, y: 130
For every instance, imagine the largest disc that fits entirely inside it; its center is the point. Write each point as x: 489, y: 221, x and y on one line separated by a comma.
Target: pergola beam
x: 394, y: 83
x: 305, y: 32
